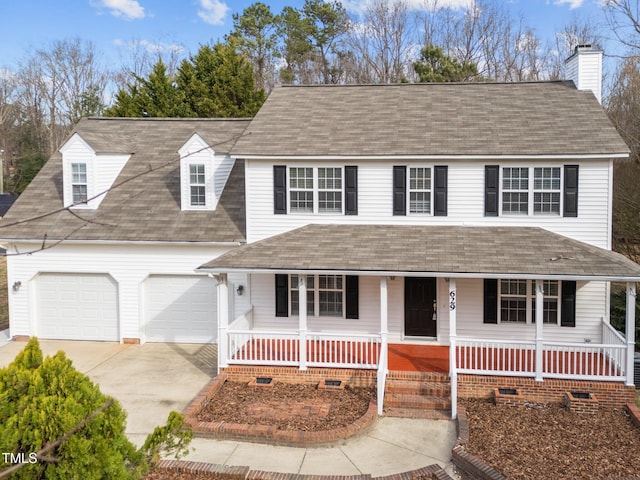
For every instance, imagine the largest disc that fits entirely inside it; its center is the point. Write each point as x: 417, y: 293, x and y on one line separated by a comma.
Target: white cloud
x: 129, y: 9
x: 151, y: 47
x: 213, y: 11
x: 573, y: 4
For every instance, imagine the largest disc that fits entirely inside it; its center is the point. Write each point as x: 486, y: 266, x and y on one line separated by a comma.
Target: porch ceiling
x: 455, y: 251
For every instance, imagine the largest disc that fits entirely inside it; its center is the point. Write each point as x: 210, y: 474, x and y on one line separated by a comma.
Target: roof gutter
x: 595, y: 156
x: 399, y: 273
x: 120, y: 242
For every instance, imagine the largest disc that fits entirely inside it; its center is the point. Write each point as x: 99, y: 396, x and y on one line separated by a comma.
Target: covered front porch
x: 536, y: 349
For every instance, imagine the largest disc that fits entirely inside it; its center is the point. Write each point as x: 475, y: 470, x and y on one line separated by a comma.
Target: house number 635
x: 452, y: 300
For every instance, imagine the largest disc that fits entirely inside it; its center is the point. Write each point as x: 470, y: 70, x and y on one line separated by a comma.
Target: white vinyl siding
x: 465, y: 201
x: 590, y: 299
x: 128, y: 265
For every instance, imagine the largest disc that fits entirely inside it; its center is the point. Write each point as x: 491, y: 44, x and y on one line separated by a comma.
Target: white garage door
x: 77, y: 306
x: 180, y: 309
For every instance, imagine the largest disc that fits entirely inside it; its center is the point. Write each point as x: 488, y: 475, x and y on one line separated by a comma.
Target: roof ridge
x: 422, y: 84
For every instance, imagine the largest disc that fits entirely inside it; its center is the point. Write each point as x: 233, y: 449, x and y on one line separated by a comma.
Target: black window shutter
x: 399, y: 190
x: 352, y: 294
x: 279, y: 189
x: 570, y: 191
x: 491, y: 190
x: 282, y: 295
x: 351, y: 190
x: 490, y: 300
x: 440, y: 191
x: 568, y: 308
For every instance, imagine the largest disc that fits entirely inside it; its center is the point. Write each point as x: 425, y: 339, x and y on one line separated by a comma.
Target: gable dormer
x: 203, y: 174
x: 87, y: 175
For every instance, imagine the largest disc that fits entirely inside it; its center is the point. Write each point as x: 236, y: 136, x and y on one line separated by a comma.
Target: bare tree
x: 384, y: 41
x: 623, y: 17
x: 58, y: 84
x: 577, y: 31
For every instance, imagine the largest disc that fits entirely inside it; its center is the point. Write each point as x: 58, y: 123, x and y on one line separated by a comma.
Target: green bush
x: 44, y: 400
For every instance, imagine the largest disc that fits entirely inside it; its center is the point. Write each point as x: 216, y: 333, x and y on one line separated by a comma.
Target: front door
x: 419, y: 303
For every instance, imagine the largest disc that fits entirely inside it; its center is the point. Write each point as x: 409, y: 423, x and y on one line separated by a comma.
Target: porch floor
x: 418, y: 358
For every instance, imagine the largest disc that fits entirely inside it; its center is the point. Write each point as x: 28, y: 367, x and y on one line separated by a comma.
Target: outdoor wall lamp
x: 16, y: 286
x: 240, y: 289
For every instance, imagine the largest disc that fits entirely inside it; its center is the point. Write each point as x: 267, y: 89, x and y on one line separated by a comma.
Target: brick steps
x: 418, y: 395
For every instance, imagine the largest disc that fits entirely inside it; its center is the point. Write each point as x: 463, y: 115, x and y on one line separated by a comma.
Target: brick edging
x: 465, y: 460
x: 222, y: 430
x: 634, y: 413
x: 224, y: 472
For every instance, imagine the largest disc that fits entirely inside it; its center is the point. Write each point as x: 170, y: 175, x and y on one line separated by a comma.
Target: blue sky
x: 187, y: 24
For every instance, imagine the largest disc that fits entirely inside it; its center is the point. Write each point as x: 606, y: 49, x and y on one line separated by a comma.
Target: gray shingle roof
x: 144, y: 209
x: 541, y: 118
x: 443, y: 250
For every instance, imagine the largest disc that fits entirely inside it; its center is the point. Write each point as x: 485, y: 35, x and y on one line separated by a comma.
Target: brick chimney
x: 584, y: 67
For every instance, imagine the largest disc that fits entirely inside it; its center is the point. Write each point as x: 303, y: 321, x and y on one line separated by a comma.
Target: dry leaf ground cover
x: 549, y: 441
x: 287, y: 406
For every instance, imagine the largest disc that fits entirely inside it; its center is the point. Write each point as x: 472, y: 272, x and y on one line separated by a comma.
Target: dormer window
x: 197, y: 185
x: 87, y: 175
x: 203, y: 174
x: 79, y: 182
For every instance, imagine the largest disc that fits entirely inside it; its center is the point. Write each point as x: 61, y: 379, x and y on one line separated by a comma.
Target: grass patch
x: 4, y: 295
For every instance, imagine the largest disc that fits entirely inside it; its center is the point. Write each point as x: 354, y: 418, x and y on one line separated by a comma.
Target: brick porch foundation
x: 352, y: 377
x: 609, y: 394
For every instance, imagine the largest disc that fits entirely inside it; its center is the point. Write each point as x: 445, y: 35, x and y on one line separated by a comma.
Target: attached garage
x: 180, y: 308
x: 76, y: 306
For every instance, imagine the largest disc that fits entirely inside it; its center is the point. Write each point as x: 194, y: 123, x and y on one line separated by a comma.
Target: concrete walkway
x: 151, y: 380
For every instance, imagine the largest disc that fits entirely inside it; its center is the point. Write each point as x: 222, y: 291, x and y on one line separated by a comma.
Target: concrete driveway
x: 148, y: 380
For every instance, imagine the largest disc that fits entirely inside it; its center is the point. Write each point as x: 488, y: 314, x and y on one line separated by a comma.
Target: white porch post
x: 223, y: 321
x: 453, y: 363
x: 539, y: 325
x: 630, y: 330
x: 384, y: 334
x: 302, y: 319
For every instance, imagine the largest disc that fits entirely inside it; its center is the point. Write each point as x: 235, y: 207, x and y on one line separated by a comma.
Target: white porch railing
x: 494, y: 357
x: 259, y: 347
x: 583, y: 361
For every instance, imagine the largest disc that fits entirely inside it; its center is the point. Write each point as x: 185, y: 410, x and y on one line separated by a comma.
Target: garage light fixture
x: 240, y: 289
x: 16, y: 286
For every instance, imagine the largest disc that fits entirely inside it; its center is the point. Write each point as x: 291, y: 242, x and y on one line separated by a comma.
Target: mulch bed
x: 549, y: 441
x: 287, y: 406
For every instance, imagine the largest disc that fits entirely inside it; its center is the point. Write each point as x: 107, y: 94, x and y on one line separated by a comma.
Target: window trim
x: 315, y: 190
x: 429, y: 190
x: 84, y: 184
x: 550, y: 191
x: 315, y: 291
x: 531, y: 191
x: 200, y: 185
x: 530, y: 299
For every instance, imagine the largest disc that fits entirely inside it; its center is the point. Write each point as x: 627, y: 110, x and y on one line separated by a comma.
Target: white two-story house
x: 420, y: 231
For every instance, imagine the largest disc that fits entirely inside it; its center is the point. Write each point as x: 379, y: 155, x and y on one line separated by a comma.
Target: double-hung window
x: 197, y: 185
x: 518, y: 301
x: 325, y: 295
x: 546, y: 190
x: 515, y: 190
x: 551, y: 301
x: 295, y: 295
x: 330, y: 190
x: 79, y: 182
x: 420, y: 190
x: 301, y: 189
